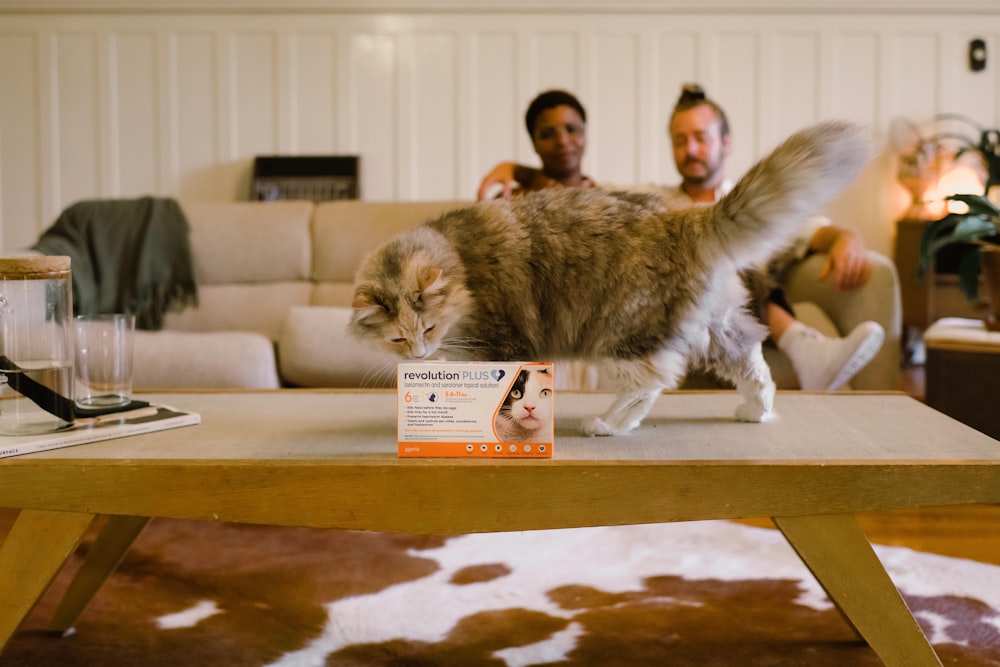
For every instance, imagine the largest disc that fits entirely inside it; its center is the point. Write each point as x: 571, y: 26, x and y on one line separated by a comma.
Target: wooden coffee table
x: 327, y: 459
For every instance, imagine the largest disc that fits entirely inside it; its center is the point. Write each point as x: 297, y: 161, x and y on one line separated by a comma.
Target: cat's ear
x: 430, y: 280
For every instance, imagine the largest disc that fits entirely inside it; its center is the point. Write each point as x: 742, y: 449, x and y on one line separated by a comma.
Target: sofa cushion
x: 250, y: 242
x: 333, y: 294
x: 242, y: 307
x: 314, y: 350
x: 209, y: 360
x: 345, y: 231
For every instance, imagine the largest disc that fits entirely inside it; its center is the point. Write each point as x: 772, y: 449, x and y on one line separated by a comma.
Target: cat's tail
x: 770, y: 206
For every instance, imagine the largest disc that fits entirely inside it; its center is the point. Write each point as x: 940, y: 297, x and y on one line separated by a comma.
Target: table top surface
x: 328, y: 459
x: 353, y: 426
x: 962, y: 335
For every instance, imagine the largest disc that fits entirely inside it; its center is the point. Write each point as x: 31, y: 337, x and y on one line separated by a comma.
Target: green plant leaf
x: 934, y: 230
x: 969, y: 250
x: 974, y: 227
x: 969, y: 229
x: 968, y: 275
x: 978, y: 204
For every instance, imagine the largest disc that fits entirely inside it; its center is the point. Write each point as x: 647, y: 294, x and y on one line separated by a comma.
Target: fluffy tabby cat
x: 605, y: 276
x: 527, y: 408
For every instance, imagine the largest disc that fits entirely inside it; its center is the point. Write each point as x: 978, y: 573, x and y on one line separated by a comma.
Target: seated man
x: 699, y: 132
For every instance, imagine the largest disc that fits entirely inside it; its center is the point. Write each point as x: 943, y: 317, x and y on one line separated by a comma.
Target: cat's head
x: 406, y: 300
x: 528, y: 405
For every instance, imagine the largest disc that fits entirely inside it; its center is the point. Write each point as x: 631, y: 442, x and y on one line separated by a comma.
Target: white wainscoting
x: 104, y: 103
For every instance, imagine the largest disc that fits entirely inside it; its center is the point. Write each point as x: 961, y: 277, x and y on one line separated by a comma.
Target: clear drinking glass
x: 104, y: 360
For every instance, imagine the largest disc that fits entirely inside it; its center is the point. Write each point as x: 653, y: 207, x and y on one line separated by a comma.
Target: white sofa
x: 275, y: 282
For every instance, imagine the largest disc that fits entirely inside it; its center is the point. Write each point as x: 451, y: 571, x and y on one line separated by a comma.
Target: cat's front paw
x: 754, y: 412
x: 598, y: 426
x: 595, y: 426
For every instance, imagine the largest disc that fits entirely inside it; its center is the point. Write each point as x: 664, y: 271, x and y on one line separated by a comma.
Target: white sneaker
x: 824, y: 363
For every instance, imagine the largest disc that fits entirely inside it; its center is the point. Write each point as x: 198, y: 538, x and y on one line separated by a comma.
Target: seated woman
x: 557, y: 126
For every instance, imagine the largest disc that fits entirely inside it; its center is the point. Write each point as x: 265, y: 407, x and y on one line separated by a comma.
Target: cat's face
x: 528, y: 406
x: 410, y: 317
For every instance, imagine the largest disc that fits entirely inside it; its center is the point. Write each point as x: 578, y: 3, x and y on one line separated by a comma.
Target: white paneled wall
x: 120, y: 103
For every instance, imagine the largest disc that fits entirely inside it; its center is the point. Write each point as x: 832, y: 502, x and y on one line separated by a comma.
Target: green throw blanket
x: 127, y: 256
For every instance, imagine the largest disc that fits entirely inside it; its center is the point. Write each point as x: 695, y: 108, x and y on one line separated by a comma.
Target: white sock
x: 792, y: 332
x: 824, y: 363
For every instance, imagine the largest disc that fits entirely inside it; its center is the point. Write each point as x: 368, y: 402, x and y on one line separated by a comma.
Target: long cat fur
x: 605, y: 276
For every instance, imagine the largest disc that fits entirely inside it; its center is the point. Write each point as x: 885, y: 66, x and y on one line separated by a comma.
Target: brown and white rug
x: 705, y: 593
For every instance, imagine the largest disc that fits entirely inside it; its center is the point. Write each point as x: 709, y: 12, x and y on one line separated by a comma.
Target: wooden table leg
x: 36, y: 547
x: 839, y: 555
x: 104, y: 556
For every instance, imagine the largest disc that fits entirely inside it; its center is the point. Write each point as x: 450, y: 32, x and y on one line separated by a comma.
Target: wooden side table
x: 963, y: 372
x: 913, y: 291
x: 926, y: 299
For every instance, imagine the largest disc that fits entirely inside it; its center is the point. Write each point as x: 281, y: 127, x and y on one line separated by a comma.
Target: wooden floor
x: 961, y: 532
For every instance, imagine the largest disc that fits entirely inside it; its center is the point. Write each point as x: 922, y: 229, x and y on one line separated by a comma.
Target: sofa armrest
x: 879, y: 300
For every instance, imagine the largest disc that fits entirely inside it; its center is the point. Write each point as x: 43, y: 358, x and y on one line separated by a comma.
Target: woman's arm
x: 507, y: 174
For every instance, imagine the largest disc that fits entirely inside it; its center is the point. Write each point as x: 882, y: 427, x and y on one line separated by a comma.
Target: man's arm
x: 846, y: 256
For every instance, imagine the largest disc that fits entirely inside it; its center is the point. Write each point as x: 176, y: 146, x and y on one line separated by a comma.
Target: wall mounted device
x: 977, y: 55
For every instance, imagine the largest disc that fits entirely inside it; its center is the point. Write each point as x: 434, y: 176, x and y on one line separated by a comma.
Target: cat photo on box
x: 526, y: 411
x: 610, y: 277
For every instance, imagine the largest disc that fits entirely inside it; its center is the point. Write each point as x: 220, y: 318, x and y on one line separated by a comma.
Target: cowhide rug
x: 705, y: 593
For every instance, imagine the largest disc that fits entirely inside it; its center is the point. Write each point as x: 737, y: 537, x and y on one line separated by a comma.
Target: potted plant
x: 975, y: 235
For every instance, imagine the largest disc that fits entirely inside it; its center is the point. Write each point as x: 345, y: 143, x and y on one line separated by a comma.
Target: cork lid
x: 16, y: 268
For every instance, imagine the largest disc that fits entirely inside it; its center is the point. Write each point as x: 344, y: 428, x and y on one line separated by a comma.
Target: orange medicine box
x: 475, y: 409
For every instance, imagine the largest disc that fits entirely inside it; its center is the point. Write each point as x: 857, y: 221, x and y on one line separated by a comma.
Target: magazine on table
x: 145, y: 419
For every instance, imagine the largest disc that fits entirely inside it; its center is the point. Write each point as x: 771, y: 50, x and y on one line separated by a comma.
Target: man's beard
x: 700, y: 178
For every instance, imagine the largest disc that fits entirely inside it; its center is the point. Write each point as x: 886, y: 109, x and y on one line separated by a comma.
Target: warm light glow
x: 960, y: 180
x: 933, y: 166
